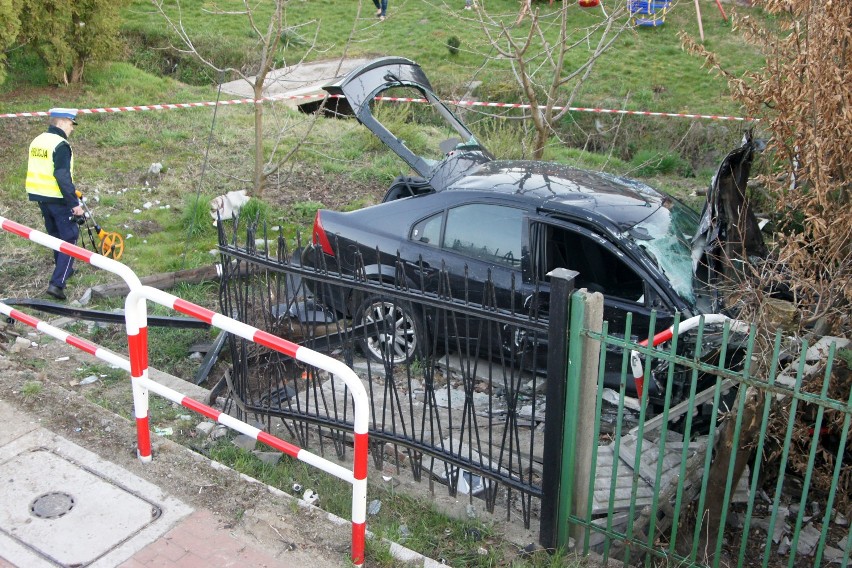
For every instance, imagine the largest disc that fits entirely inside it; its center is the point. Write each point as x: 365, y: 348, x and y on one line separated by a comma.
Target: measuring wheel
x: 112, y: 245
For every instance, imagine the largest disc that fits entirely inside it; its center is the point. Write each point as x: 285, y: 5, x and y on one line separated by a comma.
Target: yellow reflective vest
x: 40, y: 178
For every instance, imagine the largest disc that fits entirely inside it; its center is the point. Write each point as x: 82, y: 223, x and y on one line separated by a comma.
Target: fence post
x: 561, y: 287
x: 579, y: 429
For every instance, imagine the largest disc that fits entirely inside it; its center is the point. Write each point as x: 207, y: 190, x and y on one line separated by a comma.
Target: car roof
x: 558, y: 188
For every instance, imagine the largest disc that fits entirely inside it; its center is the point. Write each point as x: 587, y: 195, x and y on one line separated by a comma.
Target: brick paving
x: 200, y: 540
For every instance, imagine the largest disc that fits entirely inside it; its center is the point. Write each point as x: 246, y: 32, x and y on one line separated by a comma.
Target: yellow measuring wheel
x: 112, y: 244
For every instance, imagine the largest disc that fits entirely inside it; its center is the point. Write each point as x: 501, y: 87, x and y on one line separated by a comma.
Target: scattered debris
x: 310, y: 496
x: 219, y: 431
x: 269, y: 458
x: 204, y: 428
x: 20, y: 344
x: 168, y: 431
x: 530, y: 549
x: 374, y: 507
x: 88, y: 380
x: 808, y: 540
x: 227, y: 206
x: 244, y: 442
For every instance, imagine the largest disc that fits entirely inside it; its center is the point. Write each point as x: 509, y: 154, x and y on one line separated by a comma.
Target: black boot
x: 56, y: 292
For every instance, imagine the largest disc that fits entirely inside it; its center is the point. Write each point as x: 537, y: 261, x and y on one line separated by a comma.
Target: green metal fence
x: 736, y: 452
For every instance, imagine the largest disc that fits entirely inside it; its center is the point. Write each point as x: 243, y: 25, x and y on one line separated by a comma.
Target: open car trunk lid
x: 451, y: 159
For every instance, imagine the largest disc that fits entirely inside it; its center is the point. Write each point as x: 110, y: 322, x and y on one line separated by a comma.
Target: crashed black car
x: 473, y: 218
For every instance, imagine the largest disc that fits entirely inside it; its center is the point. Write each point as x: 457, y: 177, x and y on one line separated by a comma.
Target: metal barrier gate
x: 137, y: 366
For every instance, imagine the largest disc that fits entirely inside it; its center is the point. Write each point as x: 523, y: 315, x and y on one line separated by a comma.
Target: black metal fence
x: 455, y: 395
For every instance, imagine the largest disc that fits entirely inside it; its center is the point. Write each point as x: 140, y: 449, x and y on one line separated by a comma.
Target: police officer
x: 50, y: 183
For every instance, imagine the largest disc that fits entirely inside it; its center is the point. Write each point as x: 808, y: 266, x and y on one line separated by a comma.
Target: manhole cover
x: 52, y: 505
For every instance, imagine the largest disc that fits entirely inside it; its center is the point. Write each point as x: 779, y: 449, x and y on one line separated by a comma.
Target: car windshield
x: 666, y: 236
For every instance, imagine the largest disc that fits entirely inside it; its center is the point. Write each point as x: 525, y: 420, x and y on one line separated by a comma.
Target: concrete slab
x: 15, y: 424
x: 61, y: 505
x: 299, y: 79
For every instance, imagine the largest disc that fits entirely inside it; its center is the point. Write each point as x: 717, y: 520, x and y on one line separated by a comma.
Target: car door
x: 603, y: 268
x: 473, y: 253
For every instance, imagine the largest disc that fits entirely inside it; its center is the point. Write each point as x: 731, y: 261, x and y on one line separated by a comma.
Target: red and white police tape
x: 666, y: 335
x: 318, y: 95
x: 137, y: 336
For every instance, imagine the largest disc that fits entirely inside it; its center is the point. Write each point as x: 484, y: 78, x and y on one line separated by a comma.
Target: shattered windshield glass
x: 666, y: 236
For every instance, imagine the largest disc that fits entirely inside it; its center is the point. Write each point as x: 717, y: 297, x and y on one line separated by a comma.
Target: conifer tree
x: 68, y: 35
x: 10, y: 25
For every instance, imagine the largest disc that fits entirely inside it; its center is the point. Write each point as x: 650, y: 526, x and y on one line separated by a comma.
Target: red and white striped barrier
x: 132, y: 281
x: 79, y: 253
x: 62, y: 335
x: 318, y: 95
x: 137, y: 333
x: 665, y: 335
x: 238, y: 425
x: 137, y: 336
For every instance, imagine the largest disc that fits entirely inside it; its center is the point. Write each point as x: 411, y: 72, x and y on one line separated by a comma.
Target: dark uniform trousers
x: 59, y: 223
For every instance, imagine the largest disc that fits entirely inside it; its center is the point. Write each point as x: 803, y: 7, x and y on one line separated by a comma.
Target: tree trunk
x: 542, y: 135
x: 77, y: 71
x: 718, y: 477
x: 258, y: 139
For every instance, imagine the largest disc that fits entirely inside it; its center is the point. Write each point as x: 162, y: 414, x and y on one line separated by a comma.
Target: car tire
x: 389, y: 330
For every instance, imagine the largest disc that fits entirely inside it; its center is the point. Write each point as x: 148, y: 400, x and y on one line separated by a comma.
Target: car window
x: 488, y: 232
x: 600, y: 269
x: 428, y: 231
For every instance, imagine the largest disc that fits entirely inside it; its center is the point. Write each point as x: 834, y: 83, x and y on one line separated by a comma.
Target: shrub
x: 306, y: 210
x: 256, y: 212
x: 453, y: 44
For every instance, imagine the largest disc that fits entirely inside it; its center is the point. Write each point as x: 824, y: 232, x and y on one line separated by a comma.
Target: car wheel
x: 389, y: 330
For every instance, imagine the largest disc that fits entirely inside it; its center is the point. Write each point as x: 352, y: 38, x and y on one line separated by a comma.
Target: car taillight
x: 320, y: 238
